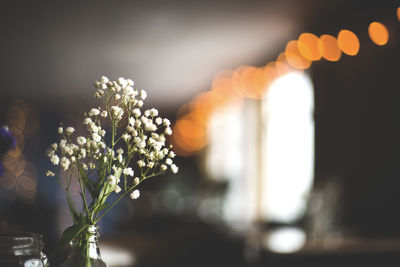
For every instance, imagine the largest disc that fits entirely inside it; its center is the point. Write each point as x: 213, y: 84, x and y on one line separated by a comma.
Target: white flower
x: 143, y: 94
x: 136, y: 112
x: 130, y: 82
x: 94, y: 112
x: 60, y: 130
x: 54, y: 146
x: 104, y: 80
x: 83, y: 153
x: 117, y: 97
x: 104, y: 113
x: 172, y: 154
x: 64, y: 163
x: 120, y: 151
x: 138, y: 123
x: 147, y: 113
x: 117, y: 112
x: 122, y: 82
x: 120, y: 158
x: 163, y: 167
x: 84, y: 166
x: 96, y: 137
x: 73, y: 159
x: 128, y: 171
x: 158, y: 121
x: 168, y: 161
x: 150, y: 164
x: 140, y: 103
x: 153, y: 112
x: 131, y: 121
x: 102, y: 132
x: 93, y: 127
x: 136, y: 181
x: 105, y: 159
x: 55, y: 159
x: 168, y: 131
x: 117, y: 189
x: 141, y: 163
x: 70, y: 130
x: 92, y: 165
x: 135, y: 194
x: 87, y: 120
x: 81, y: 140
x: 111, y: 180
x: 128, y: 91
x: 50, y: 173
x: 174, y: 168
x: 150, y: 127
x: 126, y: 137
x: 166, y: 122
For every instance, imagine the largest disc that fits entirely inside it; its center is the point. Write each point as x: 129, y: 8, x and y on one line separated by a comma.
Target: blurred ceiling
x: 52, y: 51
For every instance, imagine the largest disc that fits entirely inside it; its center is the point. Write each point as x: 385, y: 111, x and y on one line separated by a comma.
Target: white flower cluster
x: 136, y: 137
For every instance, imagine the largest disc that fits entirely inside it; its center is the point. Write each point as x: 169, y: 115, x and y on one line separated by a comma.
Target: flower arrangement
x: 110, y: 162
x: 7, y: 141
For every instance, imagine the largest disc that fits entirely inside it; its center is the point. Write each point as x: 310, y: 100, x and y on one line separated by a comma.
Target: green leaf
x: 68, y: 234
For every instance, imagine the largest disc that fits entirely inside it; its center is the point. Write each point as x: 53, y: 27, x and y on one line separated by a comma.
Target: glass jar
x: 22, y: 249
x: 85, y: 250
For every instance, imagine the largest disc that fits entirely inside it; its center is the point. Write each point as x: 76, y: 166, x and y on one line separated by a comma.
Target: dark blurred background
x: 51, y: 52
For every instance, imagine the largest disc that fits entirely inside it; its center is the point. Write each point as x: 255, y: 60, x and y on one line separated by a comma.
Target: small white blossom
x: 158, y: 120
x: 50, y: 173
x: 122, y: 82
x: 84, y: 166
x: 150, y: 127
x: 120, y: 158
x: 104, y: 113
x: 94, y: 112
x: 70, y: 130
x: 117, y: 112
x: 96, y: 137
x: 147, y: 113
x: 168, y: 131
x: 87, y: 120
x: 54, y: 146
x: 73, y: 159
x: 81, y: 140
x: 172, y: 154
x: 117, y: 97
x: 126, y: 137
x: 111, y: 180
x: 143, y: 94
x: 174, y: 168
x: 168, y: 161
x: 135, y: 194
x: 131, y: 121
x: 150, y: 164
x: 163, y: 167
x: 153, y: 112
x: 55, y: 159
x: 136, y: 112
x: 65, y: 163
x: 60, y: 130
x: 128, y: 171
x: 102, y: 132
x: 92, y: 166
x: 136, y: 181
x: 140, y: 103
x: 166, y: 122
x: 141, y: 163
x: 117, y: 189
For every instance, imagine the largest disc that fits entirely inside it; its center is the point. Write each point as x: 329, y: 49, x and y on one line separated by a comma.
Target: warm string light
x: 20, y: 176
x: 190, y: 129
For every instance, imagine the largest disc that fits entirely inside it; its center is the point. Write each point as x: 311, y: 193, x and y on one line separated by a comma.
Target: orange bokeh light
x: 378, y: 33
x: 294, y: 57
x: 348, y: 42
x: 310, y: 46
x: 398, y: 13
x: 330, y: 48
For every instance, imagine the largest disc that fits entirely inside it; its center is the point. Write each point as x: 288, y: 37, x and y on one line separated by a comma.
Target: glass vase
x: 85, y: 251
x: 22, y: 249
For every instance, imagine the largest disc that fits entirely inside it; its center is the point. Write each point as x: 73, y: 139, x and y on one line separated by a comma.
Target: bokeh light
x: 310, y: 46
x: 330, y: 48
x: 348, y: 42
x: 378, y: 33
x: 295, y: 58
